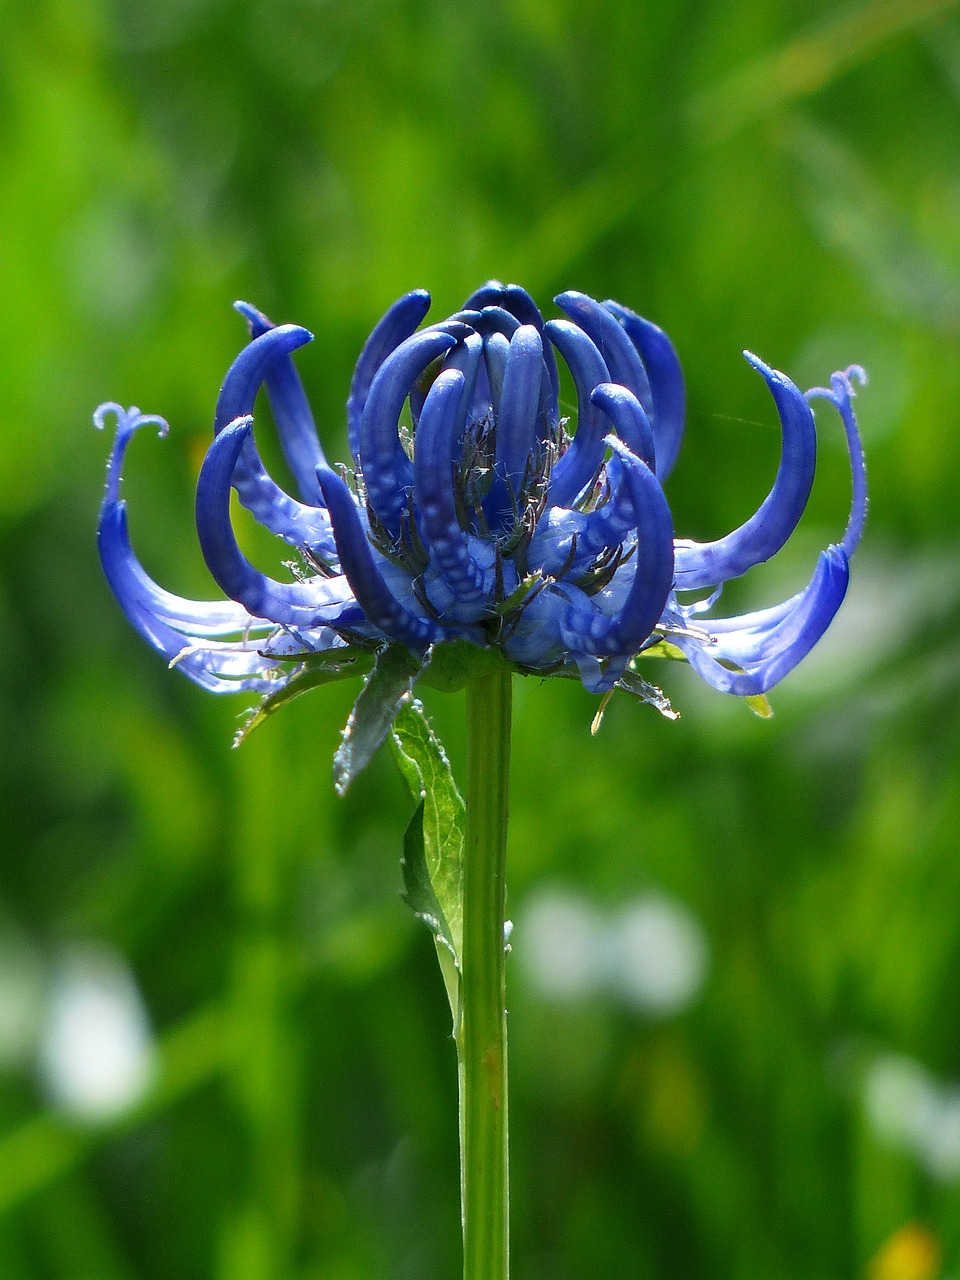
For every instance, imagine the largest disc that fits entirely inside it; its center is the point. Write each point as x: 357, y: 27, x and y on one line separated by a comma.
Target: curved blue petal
x: 569, y: 542
x: 763, y: 647
x: 441, y: 422
x: 669, y: 397
x: 490, y: 294
x: 628, y: 417
x: 701, y: 564
x: 399, y: 322
x: 496, y: 300
x: 387, y: 471
x: 519, y: 302
x: 135, y: 589
x: 380, y: 606
x: 310, y: 603
x: 291, y: 412
x: 496, y: 348
x: 519, y: 402
x: 619, y: 353
x: 221, y: 668
x: 296, y: 522
x: 128, y: 422
x: 130, y: 582
x: 841, y: 394
x: 640, y: 607
x: 578, y: 467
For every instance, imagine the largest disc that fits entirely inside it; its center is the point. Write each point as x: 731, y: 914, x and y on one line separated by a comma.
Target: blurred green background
x: 735, y: 1013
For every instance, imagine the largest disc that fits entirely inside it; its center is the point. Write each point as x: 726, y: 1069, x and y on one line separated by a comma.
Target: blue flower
x: 474, y: 512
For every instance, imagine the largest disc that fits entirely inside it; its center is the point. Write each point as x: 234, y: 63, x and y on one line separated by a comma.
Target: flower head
x: 475, y: 517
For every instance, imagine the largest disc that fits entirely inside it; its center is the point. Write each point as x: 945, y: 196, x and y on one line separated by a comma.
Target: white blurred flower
x: 97, y: 1056
x: 652, y: 954
x: 909, y: 1109
x: 657, y: 955
x: 560, y: 944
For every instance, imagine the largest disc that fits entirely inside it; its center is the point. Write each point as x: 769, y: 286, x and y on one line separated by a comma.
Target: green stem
x: 482, y: 1037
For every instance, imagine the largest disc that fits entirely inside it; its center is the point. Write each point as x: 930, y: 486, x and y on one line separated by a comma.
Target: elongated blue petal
x: 578, y: 467
x: 221, y: 668
x: 134, y: 588
x: 387, y: 471
x: 753, y: 653
x: 701, y: 564
x: 569, y: 542
x: 380, y: 606
x: 291, y: 412
x: 310, y: 603
x: 629, y: 418
x: 640, y: 607
x: 400, y: 321
x: 619, y: 353
x: 441, y: 423
x: 669, y: 409
x: 296, y: 522
x: 496, y: 348
x: 519, y: 401
x: 497, y: 300
x: 130, y: 582
x: 518, y: 301
x: 841, y: 396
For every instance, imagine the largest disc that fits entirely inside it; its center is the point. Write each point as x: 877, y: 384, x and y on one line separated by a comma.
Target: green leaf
x: 419, y: 894
x: 384, y: 691
x: 433, y: 843
x: 315, y: 670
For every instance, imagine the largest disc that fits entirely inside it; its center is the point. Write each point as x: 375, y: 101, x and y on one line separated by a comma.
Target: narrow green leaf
x: 419, y: 895
x: 433, y: 870
x: 386, y: 687
x: 315, y: 670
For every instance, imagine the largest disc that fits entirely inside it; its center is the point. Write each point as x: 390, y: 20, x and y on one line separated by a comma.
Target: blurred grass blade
x: 852, y: 214
x: 807, y: 64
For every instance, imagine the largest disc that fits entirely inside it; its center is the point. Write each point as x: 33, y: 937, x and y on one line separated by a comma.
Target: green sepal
x: 433, y: 843
x: 454, y: 663
x: 663, y: 649
x: 759, y: 704
x: 384, y: 691
x: 315, y: 669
